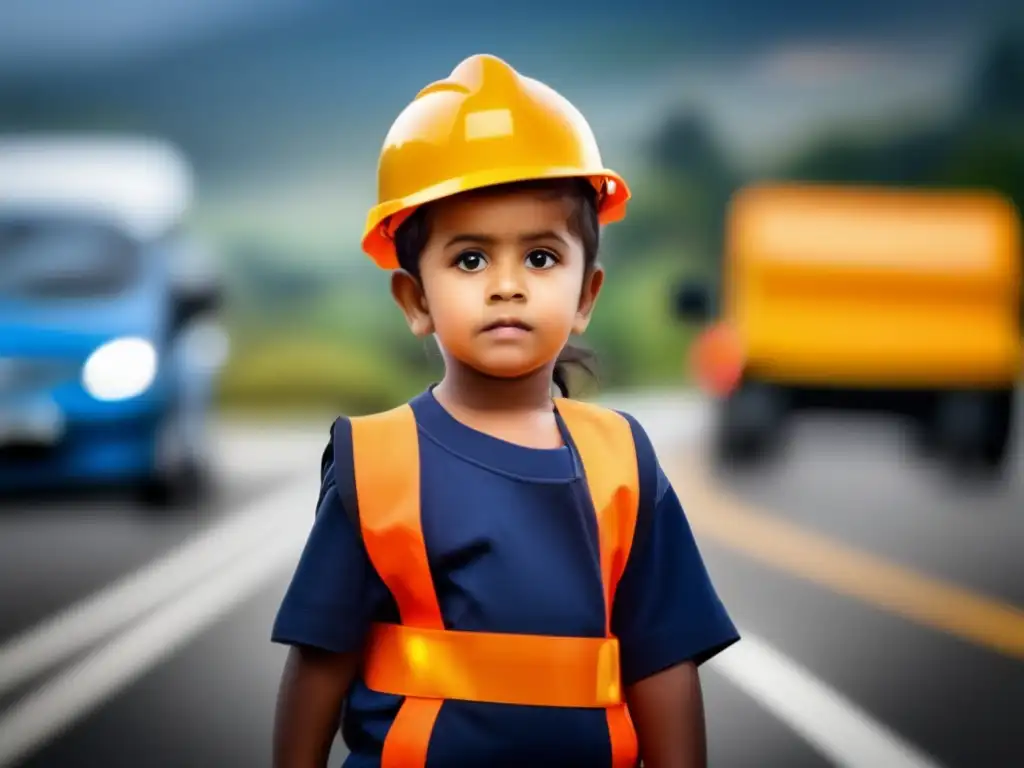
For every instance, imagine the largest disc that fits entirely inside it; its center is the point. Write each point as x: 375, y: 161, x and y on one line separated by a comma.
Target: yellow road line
x: 929, y: 601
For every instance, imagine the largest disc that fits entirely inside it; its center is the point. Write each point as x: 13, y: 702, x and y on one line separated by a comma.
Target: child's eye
x: 540, y: 259
x: 470, y: 261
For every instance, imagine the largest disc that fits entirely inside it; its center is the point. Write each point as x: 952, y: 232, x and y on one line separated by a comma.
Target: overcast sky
x: 321, y: 79
x: 41, y: 34
x: 44, y: 35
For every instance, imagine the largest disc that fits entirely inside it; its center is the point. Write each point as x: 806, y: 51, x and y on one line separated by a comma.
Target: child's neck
x: 468, y: 389
x: 518, y: 410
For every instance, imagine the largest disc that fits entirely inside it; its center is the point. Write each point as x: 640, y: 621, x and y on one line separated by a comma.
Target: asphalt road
x: 880, y: 601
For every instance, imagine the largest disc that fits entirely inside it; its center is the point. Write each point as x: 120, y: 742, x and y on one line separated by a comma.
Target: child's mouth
x: 507, y: 328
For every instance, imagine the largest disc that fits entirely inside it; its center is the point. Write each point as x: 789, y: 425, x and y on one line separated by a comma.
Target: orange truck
x: 894, y: 299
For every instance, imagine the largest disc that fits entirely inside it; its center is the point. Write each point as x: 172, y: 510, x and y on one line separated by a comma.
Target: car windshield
x: 58, y: 259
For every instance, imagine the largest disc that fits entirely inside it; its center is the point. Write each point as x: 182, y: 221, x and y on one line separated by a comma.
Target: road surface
x: 880, y: 603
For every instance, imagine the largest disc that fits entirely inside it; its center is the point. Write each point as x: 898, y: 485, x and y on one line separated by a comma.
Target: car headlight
x: 120, y: 369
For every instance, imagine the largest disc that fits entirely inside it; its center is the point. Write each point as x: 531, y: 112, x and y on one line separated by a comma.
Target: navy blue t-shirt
x: 512, y: 544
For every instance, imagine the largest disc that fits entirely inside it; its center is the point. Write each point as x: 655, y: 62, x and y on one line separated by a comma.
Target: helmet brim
x: 382, y: 221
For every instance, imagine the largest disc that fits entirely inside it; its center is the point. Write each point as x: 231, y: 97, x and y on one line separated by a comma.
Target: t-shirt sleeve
x: 334, y: 593
x: 666, y: 609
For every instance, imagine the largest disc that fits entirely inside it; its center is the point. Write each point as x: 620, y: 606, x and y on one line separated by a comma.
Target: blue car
x: 110, y: 344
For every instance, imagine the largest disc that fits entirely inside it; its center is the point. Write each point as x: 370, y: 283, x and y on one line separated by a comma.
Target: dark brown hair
x: 412, y: 235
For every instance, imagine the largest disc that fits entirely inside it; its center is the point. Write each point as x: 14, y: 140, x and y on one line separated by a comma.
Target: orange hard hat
x: 484, y: 125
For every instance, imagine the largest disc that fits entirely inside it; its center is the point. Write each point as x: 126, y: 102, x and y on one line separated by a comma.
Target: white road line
x: 830, y: 723
x: 58, y: 704
x: 822, y: 716
x: 82, y: 624
x: 827, y: 720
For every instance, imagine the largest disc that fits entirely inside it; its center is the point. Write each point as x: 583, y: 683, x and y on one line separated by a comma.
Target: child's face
x: 503, y: 282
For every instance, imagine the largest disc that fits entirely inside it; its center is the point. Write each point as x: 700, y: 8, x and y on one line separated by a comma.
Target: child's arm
x: 668, y: 713
x: 334, y: 596
x: 309, y: 701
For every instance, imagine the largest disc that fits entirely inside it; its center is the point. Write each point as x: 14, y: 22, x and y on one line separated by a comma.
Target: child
x: 489, y: 564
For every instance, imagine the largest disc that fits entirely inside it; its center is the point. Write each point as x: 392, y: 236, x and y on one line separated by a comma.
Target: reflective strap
x: 538, y: 670
x: 385, y: 452
x: 604, y: 439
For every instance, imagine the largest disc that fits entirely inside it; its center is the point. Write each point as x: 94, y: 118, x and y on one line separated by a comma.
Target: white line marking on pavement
x: 828, y: 721
x: 59, y: 703
x: 82, y: 624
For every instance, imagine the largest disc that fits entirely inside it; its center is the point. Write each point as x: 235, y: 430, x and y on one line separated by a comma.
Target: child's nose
x: 508, y: 293
x: 508, y: 284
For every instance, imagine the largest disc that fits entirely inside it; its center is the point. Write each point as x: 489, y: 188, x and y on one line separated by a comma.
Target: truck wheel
x: 180, y: 487
x: 997, y: 440
x: 973, y: 429
x: 179, y: 478
x: 750, y: 422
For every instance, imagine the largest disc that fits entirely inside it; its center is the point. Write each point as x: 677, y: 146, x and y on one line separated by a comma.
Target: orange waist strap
x: 501, y: 668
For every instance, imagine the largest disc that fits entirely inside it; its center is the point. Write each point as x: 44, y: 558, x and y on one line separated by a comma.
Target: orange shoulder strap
x: 386, y: 461
x: 604, y: 441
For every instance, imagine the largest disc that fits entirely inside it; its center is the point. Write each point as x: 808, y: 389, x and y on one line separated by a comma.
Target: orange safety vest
x: 426, y: 663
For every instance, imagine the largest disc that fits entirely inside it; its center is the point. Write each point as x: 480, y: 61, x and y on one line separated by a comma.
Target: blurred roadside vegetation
x: 330, y: 337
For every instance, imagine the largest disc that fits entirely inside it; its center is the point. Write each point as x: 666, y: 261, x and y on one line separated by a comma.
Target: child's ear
x: 588, y: 298
x: 408, y: 294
